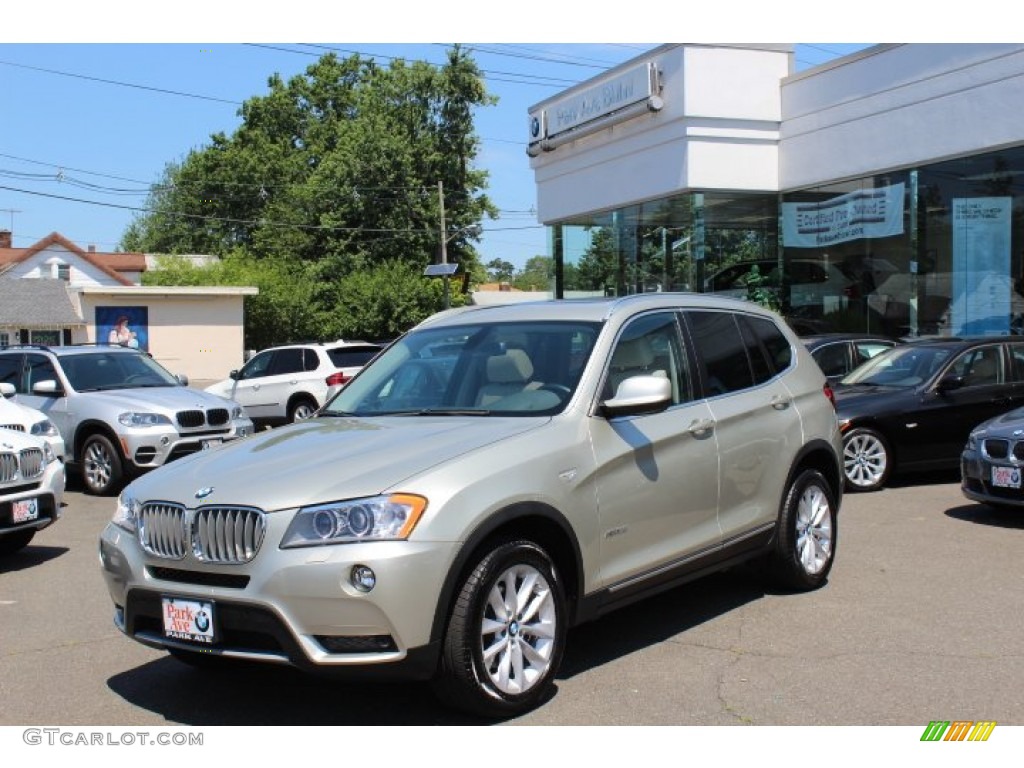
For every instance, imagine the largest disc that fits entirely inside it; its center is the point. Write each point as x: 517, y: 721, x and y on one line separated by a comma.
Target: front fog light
x: 363, y: 578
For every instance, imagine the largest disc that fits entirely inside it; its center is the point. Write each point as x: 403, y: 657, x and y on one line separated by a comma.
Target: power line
x: 121, y: 83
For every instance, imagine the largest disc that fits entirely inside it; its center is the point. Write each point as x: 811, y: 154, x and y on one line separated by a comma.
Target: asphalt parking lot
x: 919, y: 621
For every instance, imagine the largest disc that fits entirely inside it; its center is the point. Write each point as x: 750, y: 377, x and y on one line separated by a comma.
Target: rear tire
x: 301, y: 409
x: 506, y: 633
x: 15, y: 542
x: 102, y: 469
x: 805, y: 546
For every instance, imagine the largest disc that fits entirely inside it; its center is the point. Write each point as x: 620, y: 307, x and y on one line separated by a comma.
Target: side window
x: 39, y: 368
x: 722, y: 350
x: 650, y: 346
x: 10, y: 370
x: 310, y: 360
x: 767, y: 348
x: 1016, y: 356
x: 865, y: 350
x: 979, y: 367
x: 257, y: 367
x: 833, y: 359
x: 286, y: 361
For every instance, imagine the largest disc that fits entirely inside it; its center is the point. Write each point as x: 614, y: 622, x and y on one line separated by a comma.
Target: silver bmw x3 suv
x: 119, y: 412
x: 493, y: 478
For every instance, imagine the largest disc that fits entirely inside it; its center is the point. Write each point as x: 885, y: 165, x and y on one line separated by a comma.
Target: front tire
x: 506, y: 633
x: 805, y: 546
x: 102, y: 470
x: 867, y: 460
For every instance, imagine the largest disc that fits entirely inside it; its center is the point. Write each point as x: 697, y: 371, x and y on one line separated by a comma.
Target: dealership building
x: 880, y: 192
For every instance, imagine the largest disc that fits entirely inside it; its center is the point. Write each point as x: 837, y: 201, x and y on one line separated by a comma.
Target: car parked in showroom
x: 119, y: 412
x: 21, y: 418
x: 810, y: 283
x: 912, y: 407
x: 31, y: 488
x: 492, y: 478
x: 992, y: 460
x: 837, y: 354
x: 289, y: 383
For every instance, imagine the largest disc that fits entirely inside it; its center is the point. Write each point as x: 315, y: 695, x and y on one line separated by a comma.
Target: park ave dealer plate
x: 1006, y: 477
x: 190, y: 620
x: 24, y: 511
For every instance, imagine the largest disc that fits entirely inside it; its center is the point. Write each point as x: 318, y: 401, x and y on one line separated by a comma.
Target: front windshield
x: 905, y: 367
x: 480, y: 369
x: 96, y: 371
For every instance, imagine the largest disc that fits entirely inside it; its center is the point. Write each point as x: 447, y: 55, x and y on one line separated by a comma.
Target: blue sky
x: 97, y: 121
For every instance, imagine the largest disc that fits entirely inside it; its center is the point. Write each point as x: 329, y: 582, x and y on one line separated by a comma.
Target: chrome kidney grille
x: 227, y: 534
x: 223, y: 535
x: 28, y: 465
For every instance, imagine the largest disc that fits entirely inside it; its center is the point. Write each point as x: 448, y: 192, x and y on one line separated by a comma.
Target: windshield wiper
x: 434, y: 412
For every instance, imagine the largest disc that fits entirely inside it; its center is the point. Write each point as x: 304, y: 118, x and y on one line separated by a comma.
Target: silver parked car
x: 31, y: 488
x: 21, y: 418
x: 118, y: 410
x: 491, y: 479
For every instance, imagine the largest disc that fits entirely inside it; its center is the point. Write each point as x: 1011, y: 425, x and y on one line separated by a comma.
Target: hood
x: 325, y: 459
x: 168, y: 399
x: 1005, y: 424
x: 859, y: 399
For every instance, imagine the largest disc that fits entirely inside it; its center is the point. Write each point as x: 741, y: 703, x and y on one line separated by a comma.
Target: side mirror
x: 182, y: 379
x: 7, y: 390
x: 639, y: 394
x: 48, y: 388
x: 233, y: 375
x: 948, y: 383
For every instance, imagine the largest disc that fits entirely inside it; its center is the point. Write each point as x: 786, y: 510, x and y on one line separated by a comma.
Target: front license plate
x: 1006, y: 477
x: 25, y: 510
x: 190, y: 620
x: 208, y: 444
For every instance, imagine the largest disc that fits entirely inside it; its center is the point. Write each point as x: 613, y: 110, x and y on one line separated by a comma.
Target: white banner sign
x: 868, y: 213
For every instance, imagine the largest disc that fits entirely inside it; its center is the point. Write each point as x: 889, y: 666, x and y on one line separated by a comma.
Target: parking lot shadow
x: 30, y: 557
x: 983, y: 514
x: 260, y: 694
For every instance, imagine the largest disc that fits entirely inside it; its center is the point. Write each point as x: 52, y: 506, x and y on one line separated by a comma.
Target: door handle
x: 701, y: 427
x: 780, y: 403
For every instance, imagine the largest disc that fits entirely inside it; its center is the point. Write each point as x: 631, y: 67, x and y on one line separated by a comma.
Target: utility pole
x: 444, y: 244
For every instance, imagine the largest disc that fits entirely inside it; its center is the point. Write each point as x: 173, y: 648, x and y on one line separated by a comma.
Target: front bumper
x: 49, y: 494
x: 292, y: 606
x: 149, y: 447
x: 976, y: 480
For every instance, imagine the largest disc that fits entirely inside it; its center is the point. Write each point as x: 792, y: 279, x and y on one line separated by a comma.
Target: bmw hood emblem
x: 202, y: 493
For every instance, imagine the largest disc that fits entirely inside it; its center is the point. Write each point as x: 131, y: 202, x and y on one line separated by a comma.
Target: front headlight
x: 136, y: 419
x: 44, y: 428
x: 972, y: 441
x: 379, y: 518
x: 127, y: 513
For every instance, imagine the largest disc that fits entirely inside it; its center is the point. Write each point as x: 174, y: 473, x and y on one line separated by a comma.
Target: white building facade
x: 880, y: 192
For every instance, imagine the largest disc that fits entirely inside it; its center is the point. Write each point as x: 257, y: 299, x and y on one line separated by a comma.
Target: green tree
x: 537, y: 275
x: 336, y: 171
x: 500, y: 271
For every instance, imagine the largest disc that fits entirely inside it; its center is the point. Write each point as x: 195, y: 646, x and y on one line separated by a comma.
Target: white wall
x: 899, y: 105
x: 718, y: 130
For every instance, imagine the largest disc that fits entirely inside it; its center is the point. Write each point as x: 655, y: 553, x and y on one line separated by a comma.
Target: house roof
x: 37, y: 303
x: 110, y: 264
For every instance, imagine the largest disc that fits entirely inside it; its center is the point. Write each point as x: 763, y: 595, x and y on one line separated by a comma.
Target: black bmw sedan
x: 913, y: 406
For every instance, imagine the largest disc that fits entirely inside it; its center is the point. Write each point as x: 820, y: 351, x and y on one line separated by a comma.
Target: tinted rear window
x: 348, y: 357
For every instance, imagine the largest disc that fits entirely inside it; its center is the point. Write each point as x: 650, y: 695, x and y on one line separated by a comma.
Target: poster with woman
x: 126, y: 326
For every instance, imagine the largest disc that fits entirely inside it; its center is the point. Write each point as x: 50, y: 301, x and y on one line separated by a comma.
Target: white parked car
x: 289, y: 383
x: 22, y: 418
x: 31, y: 488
